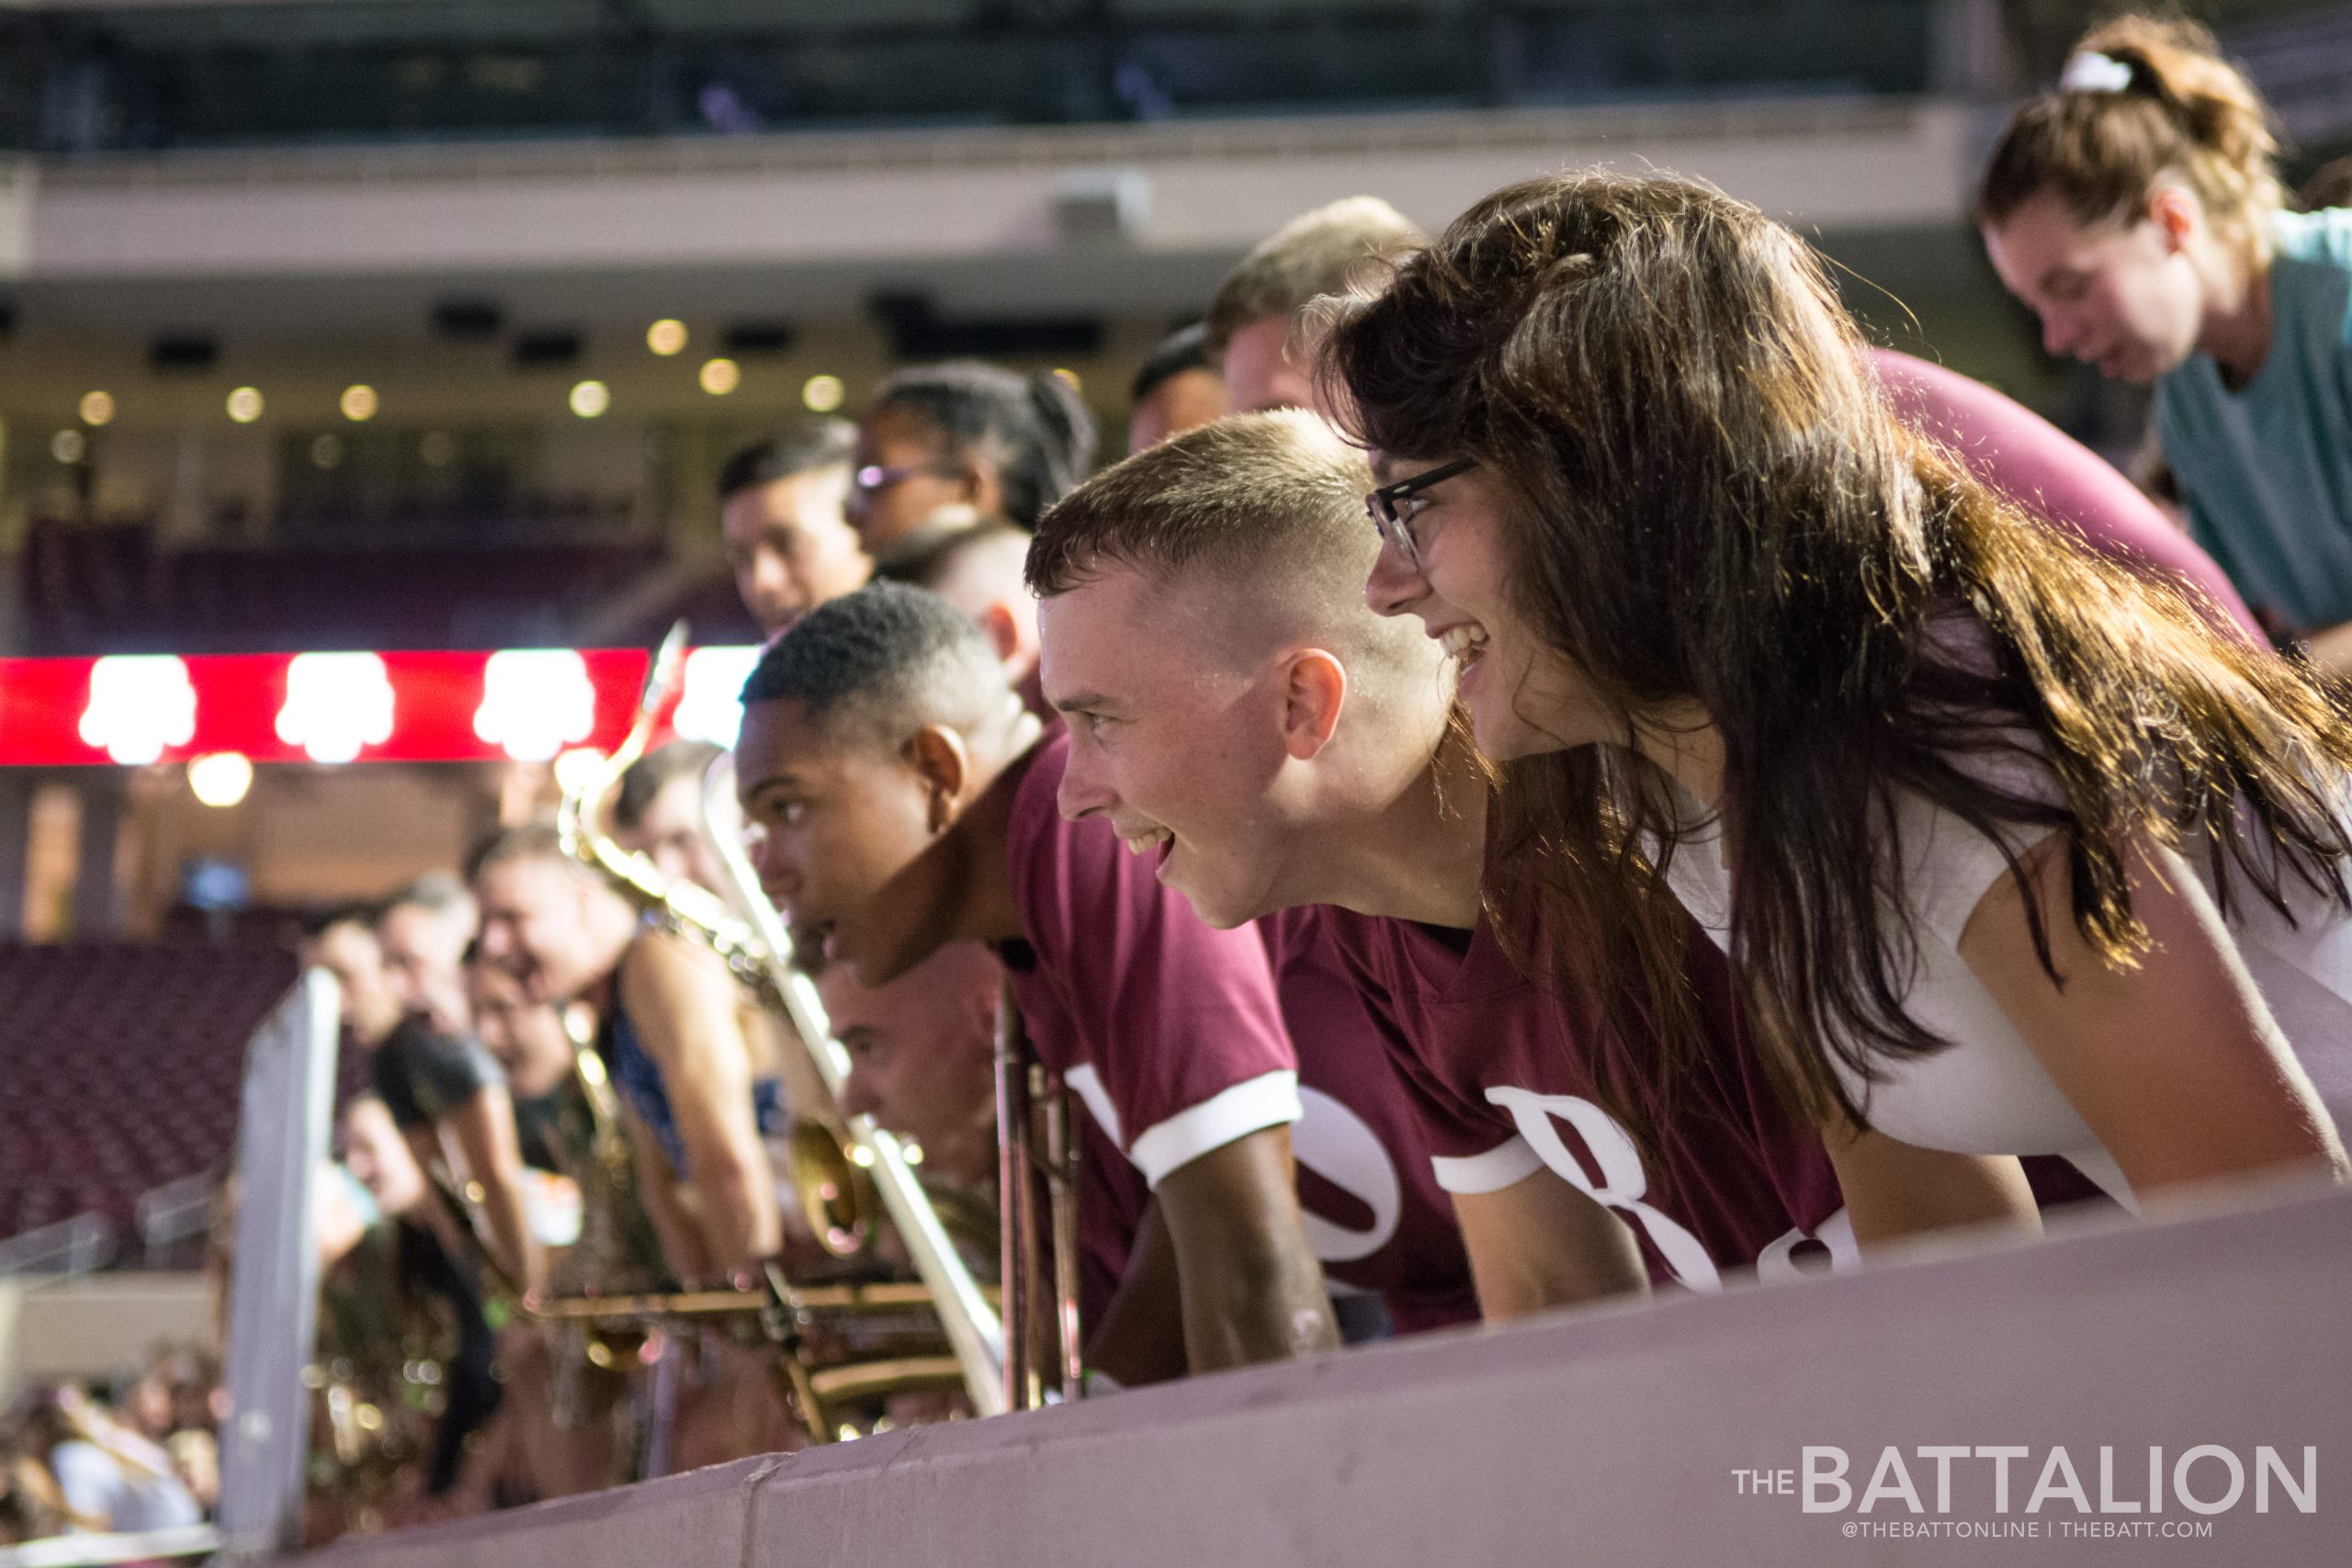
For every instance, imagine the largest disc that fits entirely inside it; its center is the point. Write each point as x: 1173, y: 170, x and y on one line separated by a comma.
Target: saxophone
x: 837, y: 1161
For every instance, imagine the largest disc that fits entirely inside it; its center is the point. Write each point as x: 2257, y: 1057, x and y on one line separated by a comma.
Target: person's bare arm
x: 1141, y: 1336
x: 1541, y: 1243
x: 2331, y: 652
x: 656, y: 1190
x: 1251, y: 1288
x: 2175, y: 1062
x: 1896, y: 1190
x: 685, y: 1006
x: 482, y: 1126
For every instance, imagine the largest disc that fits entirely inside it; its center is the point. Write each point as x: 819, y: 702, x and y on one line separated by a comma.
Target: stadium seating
x: 122, y: 1067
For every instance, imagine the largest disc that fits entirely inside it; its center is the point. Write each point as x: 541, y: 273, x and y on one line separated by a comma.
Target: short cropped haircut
x: 525, y: 841
x: 1186, y: 348
x: 436, y: 892
x: 655, y: 772
x: 1318, y: 253
x: 1266, y: 509
x: 800, y: 448
x: 887, y: 659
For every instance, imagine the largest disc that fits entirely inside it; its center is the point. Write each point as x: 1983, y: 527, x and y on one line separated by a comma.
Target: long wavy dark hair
x: 1709, y: 503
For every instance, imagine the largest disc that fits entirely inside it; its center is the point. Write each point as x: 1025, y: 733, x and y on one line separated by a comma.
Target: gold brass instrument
x: 1037, y: 1142
x: 751, y: 939
x: 973, y: 1329
x: 1025, y: 1096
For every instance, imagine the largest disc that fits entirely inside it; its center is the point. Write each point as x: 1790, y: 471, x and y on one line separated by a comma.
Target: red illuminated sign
x: 516, y: 704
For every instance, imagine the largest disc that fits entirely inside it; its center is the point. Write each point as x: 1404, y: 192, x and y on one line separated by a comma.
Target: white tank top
x: 1986, y: 1092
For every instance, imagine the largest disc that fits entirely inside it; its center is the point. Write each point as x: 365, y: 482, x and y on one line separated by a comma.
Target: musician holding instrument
x: 905, y: 801
x: 922, y: 1052
x: 662, y: 1001
x: 401, y: 1328
x: 574, y: 1390
x: 445, y: 1091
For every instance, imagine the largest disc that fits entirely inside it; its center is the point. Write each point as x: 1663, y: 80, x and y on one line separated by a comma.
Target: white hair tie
x: 2091, y: 71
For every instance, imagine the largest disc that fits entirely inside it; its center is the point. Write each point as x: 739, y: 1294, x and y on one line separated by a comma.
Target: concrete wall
x: 100, y: 1325
x: 813, y: 200
x: 1613, y: 1437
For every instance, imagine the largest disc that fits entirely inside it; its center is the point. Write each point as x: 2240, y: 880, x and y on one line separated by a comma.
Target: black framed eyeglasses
x: 1393, y: 507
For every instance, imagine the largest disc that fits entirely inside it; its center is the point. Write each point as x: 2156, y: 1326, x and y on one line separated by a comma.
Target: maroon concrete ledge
x: 1611, y: 1437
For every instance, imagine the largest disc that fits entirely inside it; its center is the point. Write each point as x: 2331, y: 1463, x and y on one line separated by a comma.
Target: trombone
x: 1036, y: 1146
x: 750, y: 937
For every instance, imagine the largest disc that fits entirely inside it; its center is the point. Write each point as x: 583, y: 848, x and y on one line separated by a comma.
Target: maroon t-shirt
x: 2051, y: 474
x: 1172, y: 1033
x: 1502, y: 1072
x: 1375, y: 1212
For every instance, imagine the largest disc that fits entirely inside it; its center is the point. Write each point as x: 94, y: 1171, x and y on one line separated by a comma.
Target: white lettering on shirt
x: 1334, y: 1142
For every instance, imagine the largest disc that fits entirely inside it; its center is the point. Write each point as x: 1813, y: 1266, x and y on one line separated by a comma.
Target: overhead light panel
x: 183, y: 353
x: 758, y: 337
x: 544, y: 350
x: 468, y: 319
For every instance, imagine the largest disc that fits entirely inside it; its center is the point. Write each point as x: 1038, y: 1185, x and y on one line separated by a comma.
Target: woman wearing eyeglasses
x: 2014, y: 854
x: 967, y: 436
x: 2136, y: 208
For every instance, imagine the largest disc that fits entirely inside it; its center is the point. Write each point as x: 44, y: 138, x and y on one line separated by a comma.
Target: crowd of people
x: 138, y: 1456
x: 1550, y: 771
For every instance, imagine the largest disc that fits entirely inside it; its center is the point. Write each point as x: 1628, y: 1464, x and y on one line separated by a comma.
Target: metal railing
x: 95, y: 1550
x: 171, y: 1216
x: 82, y: 1245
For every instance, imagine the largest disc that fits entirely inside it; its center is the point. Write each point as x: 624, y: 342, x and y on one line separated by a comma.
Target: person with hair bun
x: 2136, y: 207
x: 2012, y: 849
x: 965, y: 434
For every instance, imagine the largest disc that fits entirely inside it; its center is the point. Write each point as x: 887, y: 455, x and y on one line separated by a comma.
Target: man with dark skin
x: 887, y: 765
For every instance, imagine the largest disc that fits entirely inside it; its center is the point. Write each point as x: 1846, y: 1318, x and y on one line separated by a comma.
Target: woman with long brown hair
x: 2013, y: 852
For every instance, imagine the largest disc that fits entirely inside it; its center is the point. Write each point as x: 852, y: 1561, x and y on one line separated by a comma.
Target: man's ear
x: 944, y: 762
x: 1314, y: 692
x: 2176, y: 212
x: 1003, y: 631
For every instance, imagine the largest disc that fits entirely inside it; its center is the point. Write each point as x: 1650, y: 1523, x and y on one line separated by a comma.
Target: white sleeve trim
x: 1087, y: 1084
x: 1269, y: 1100
x: 1505, y: 1165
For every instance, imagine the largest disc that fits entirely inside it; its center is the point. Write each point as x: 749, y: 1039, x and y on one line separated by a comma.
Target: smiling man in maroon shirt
x: 907, y: 800
x: 1234, y: 705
